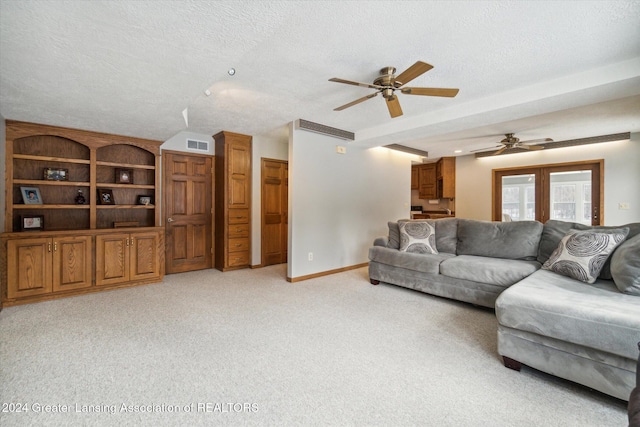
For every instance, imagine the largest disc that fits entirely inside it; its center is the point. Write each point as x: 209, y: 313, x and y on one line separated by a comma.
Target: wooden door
x: 29, y: 267
x: 144, y: 255
x: 188, y: 211
x: 274, y: 211
x: 71, y: 262
x: 112, y: 258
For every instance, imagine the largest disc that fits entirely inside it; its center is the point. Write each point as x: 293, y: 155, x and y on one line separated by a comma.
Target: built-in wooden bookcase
x: 63, y: 256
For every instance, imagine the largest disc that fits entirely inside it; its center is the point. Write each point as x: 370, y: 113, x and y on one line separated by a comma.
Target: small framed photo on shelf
x: 31, y: 195
x: 56, y: 174
x: 105, y: 196
x: 32, y: 223
x: 145, y: 200
x: 124, y: 176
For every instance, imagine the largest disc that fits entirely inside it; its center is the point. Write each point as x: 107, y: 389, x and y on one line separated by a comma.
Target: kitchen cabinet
x: 415, y: 178
x: 427, y: 181
x: 446, y: 178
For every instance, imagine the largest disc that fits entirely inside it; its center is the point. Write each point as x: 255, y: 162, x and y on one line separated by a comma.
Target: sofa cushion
x: 596, y: 316
x: 555, y: 230
x: 582, y: 254
x: 446, y: 234
x: 417, y: 237
x: 625, y: 266
x: 503, y: 272
x: 394, y: 235
x: 510, y: 240
x: 425, y: 263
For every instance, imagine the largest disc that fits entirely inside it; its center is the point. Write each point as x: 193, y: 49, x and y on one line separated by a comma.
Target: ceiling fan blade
x: 394, y: 106
x: 500, y: 151
x: 349, y: 82
x: 430, y: 91
x: 357, y: 101
x: 485, y: 149
x: 531, y: 147
x: 412, y: 72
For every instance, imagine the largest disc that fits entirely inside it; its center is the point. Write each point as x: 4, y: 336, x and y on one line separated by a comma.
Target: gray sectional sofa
x: 547, y: 319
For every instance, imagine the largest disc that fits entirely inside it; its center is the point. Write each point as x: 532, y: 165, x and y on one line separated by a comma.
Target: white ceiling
x: 562, y: 69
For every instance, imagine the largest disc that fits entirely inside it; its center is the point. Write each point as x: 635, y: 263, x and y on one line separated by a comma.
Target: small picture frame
x: 145, y: 200
x: 124, y: 176
x: 105, y: 196
x: 31, y: 195
x: 32, y: 222
x: 56, y: 174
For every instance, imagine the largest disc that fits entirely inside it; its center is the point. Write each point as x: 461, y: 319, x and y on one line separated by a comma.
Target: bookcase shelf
x: 59, y: 247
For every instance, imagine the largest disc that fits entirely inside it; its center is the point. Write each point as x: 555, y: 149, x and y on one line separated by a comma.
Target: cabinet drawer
x: 238, y: 216
x: 238, y: 245
x: 239, y: 230
x: 236, y: 259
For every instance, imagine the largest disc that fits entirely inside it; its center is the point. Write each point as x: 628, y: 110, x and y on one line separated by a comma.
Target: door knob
x: 169, y: 219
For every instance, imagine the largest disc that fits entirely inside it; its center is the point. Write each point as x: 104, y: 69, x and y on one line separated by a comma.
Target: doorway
x: 564, y: 191
x: 275, y: 199
x: 187, y: 203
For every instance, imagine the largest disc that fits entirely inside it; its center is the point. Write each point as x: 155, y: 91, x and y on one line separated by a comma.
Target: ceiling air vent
x: 196, y: 145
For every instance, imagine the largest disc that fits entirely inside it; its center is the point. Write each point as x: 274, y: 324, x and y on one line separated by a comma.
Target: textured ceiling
x: 540, y: 69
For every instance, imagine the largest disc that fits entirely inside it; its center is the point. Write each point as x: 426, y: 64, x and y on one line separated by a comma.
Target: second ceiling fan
x: 510, y: 142
x: 388, y: 83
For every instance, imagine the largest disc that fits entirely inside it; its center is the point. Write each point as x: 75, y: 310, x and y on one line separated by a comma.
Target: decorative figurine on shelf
x: 80, y: 200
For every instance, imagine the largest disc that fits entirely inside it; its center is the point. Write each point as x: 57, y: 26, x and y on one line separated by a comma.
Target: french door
x: 567, y: 191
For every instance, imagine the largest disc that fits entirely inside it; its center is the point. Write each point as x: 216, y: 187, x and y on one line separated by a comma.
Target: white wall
x: 339, y: 203
x: 270, y: 147
x: 621, y: 177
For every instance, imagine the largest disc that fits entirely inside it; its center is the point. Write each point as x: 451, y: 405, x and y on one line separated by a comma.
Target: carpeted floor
x: 249, y: 348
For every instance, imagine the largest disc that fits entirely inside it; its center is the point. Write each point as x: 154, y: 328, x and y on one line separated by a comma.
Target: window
x: 565, y: 191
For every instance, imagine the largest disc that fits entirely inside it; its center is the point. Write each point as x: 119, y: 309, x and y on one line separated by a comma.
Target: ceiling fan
x: 510, y: 142
x: 387, y: 83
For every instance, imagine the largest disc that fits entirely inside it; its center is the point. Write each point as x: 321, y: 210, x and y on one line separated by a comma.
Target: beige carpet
x: 249, y: 348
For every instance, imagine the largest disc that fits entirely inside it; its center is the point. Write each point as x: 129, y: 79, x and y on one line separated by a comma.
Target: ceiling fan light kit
x: 387, y: 83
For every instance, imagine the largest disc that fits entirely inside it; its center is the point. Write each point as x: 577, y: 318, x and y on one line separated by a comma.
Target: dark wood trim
x: 374, y: 281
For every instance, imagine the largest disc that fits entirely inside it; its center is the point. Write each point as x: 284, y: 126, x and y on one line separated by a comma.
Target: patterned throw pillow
x: 418, y: 237
x: 582, y: 254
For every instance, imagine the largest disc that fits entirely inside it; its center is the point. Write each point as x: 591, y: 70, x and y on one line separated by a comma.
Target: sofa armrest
x: 381, y: 241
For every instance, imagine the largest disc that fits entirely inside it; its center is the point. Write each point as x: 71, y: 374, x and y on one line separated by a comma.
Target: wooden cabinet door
x: 427, y: 181
x: 239, y: 155
x: 29, y: 269
x: 71, y: 263
x: 145, y: 249
x: 112, y: 258
x: 415, y: 178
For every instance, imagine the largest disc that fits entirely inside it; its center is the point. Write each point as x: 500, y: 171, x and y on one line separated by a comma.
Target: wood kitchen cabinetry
x: 427, y: 176
x: 435, y: 180
x: 415, y: 178
x: 446, y: 178
x: 232, y: 201
x: 59, y: 256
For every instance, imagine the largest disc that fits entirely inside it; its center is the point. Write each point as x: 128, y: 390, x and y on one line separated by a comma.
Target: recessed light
x: 207, y: 92
x: 458, y: 151
x: 231, y: 71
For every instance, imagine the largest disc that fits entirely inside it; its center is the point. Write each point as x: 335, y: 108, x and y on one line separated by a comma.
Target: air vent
x: 196, y: 145
x: 325, y: 130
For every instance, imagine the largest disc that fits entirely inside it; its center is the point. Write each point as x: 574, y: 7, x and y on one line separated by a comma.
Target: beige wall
x: 621, y: 177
